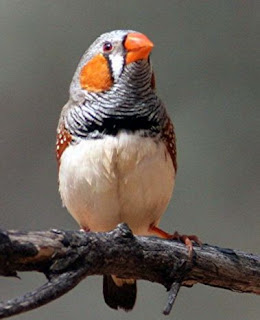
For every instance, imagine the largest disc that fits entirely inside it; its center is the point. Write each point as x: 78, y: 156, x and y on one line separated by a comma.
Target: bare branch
x: 67, y: 257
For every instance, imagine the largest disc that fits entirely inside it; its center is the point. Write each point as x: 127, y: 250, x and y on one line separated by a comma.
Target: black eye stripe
x: 125, y: 51
x: 110, y: 67
x: 124, y: 40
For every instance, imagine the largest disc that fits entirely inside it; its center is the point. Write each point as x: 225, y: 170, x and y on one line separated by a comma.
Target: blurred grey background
x: 207, y: 66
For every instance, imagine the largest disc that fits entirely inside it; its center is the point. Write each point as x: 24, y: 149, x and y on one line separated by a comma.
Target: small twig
x: 172, y: 297
x: 179, y: 272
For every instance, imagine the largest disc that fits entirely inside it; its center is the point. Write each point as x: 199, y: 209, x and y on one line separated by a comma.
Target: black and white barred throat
x: 130, y: 105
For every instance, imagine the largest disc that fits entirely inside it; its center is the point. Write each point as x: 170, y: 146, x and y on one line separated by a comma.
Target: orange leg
x: 187, y: 240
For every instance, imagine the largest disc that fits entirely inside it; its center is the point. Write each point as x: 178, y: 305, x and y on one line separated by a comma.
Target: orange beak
x: 138, y: 47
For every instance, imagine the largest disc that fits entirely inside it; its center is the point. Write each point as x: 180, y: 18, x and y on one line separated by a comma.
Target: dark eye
x: 107, y: 46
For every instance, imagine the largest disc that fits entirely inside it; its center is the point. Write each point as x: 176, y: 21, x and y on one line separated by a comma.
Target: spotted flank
x: 168, y: 136
x: 63, y: 139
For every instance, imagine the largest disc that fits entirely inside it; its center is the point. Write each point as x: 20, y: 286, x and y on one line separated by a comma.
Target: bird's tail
x: 119, y: 293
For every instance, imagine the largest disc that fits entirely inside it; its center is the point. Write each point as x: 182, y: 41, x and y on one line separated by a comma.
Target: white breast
x: 126, y: 178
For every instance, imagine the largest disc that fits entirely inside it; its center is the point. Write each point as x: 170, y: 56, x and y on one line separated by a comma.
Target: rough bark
x: 67, y: 257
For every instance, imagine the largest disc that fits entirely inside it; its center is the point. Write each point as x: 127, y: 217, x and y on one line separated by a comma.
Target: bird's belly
x: 126, y: 178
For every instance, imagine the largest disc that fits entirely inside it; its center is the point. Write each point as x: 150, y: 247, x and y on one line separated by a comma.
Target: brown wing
x: 63, y: 140
x: 169, y: 139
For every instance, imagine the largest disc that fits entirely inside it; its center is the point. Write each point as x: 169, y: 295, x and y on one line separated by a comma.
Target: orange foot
x: 187, y: 240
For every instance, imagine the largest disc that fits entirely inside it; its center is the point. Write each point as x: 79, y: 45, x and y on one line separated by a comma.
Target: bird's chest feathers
x: 116, y: 176
x: 100, y: 162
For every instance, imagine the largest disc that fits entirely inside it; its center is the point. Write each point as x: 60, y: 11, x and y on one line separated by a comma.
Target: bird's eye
x: 107, y: 47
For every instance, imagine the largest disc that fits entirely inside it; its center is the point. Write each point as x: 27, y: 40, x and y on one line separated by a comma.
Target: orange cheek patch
x: 95, y: 75
x: 62, y: 141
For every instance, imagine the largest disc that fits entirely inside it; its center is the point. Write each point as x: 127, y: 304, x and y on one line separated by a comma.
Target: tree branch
x: 67, y: 257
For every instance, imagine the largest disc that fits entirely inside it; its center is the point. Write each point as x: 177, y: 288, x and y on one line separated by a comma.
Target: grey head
x: 115, y: 58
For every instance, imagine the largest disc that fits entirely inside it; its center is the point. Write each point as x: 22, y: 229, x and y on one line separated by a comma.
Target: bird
x: 116, y: 147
